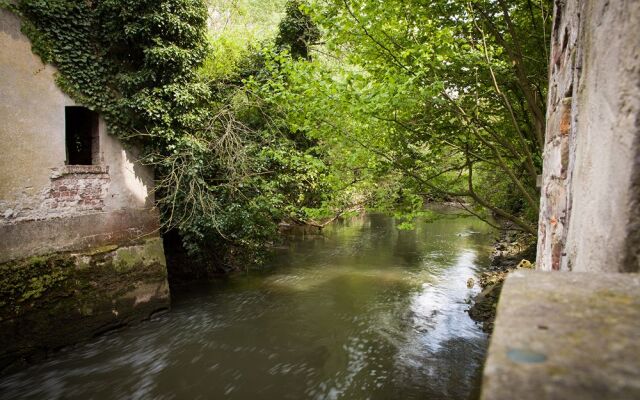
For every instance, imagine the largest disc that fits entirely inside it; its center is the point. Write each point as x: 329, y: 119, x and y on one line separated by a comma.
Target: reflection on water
x: 365, y: 312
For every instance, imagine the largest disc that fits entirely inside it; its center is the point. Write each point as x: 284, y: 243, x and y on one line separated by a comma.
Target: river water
x: 363, y: 312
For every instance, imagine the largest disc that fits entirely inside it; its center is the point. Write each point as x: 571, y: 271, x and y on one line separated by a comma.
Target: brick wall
x: 80, y: 193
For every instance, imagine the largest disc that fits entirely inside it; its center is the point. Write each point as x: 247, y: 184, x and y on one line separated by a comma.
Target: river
x: 364, y: 311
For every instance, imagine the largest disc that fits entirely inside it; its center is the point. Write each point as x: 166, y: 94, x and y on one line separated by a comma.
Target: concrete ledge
x: 32, y: 238
x: 565, y: 335
x: 79, y: 169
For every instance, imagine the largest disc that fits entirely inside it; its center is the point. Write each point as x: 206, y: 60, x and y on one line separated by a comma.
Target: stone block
x: 565, y: 335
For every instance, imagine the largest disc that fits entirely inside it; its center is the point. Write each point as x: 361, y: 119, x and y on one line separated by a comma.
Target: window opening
x: 81, y: 133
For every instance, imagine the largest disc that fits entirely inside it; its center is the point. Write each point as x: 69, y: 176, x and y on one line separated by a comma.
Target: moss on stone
x: 91, y: 276
x: 24, y: 282
x: 126, y: 259
x: 101, y: 249
x: 51, y: 301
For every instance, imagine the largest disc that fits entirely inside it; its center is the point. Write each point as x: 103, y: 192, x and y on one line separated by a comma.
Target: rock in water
x: 525, y: 264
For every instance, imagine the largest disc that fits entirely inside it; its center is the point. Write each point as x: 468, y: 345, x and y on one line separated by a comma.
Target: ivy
x: 125, y: 59
x: 135, y: 62
x: 297, y: 32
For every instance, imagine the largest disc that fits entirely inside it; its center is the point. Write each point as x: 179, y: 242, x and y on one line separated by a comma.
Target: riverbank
x: 512, y: 250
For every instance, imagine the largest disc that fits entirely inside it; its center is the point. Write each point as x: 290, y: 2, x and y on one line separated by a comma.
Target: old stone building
x: 80, y: 249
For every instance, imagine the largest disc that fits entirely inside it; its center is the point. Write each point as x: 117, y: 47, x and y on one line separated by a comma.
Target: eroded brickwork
x: 73, y: 190
x: 80, y: 250
x: 591, y: 151
x: 41, y: 185
x: 80, y: 189
x: 555, y: 202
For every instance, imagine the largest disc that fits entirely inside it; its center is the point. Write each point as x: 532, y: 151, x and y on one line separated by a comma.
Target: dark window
x: 81, y: 131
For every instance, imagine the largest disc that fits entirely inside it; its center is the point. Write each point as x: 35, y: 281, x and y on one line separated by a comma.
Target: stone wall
x: 35, y: 184
x: 590, y: 215
x: 80, y: 251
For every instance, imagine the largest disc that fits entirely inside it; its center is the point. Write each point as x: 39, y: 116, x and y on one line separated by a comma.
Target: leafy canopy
x: 443, y: 99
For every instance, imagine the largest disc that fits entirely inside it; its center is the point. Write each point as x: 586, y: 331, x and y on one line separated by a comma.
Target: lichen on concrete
x: 565, y: 335
x: 129, y: 257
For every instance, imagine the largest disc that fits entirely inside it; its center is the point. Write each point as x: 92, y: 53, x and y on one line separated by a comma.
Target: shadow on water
x: 363, y: 312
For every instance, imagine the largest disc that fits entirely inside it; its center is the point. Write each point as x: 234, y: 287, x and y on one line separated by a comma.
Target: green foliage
x: 140, y: 64
x: 402, y: 102
x: 131, y: 61
x: 236, y: 29
x: 443, y: 100
x: 297, y: 32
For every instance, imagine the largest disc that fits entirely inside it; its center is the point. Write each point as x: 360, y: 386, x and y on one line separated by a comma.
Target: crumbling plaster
x: 94, y: 225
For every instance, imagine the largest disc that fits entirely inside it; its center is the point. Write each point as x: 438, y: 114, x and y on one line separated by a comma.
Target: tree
x: 297, y: 32
x: 451, y: 95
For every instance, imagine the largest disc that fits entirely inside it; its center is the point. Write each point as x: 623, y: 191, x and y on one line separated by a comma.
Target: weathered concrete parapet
x: 589, y: 214
x: 561, y: 335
